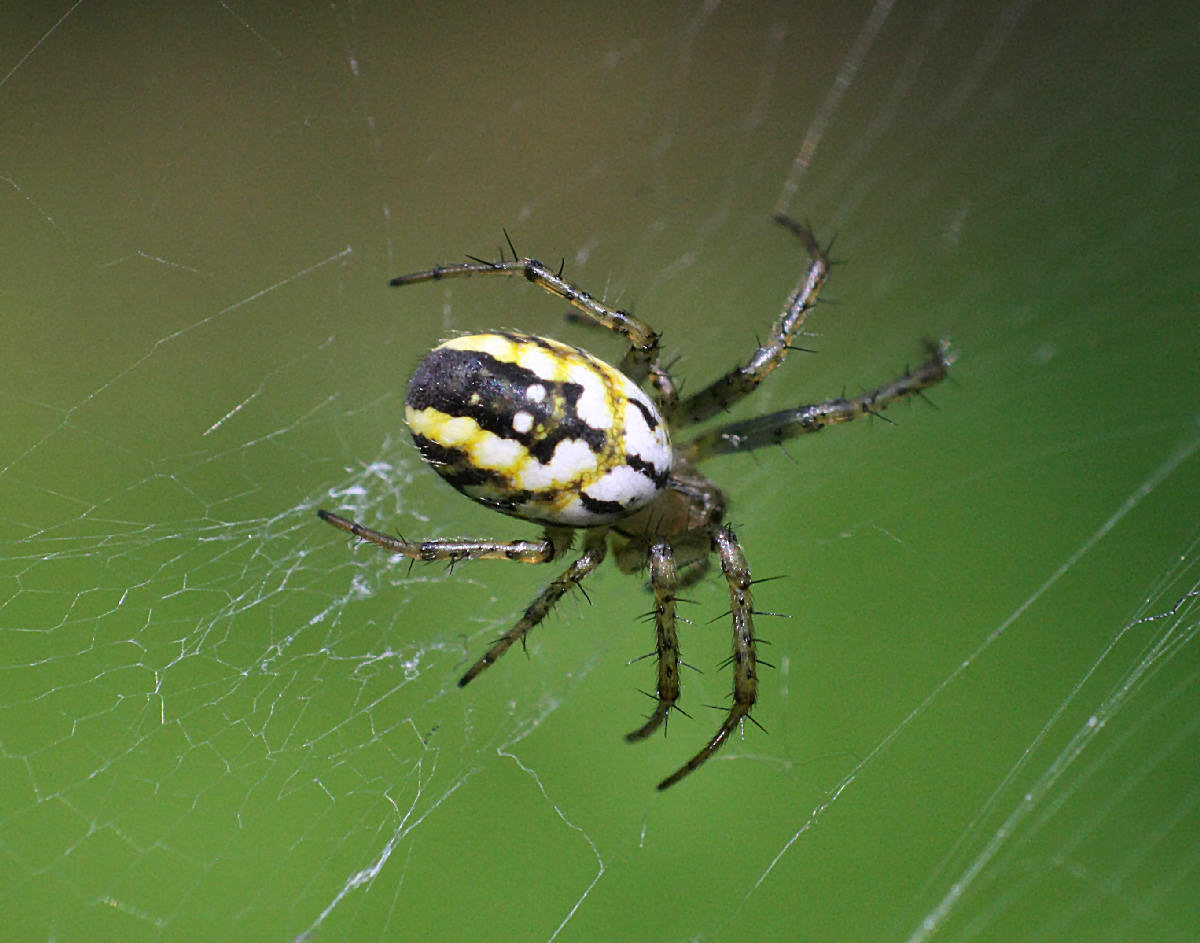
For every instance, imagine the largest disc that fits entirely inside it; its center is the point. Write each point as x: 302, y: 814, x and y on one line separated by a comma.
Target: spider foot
x: 738, y: 714
x: 658, y: 719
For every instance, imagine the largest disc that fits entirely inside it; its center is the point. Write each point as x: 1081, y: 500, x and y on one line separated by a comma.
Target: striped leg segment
x: 720, y: 395
x: 454, y: 549
x: 744, y: 658
x: 593, y: 555
x: 642, y: 360
x: 774, y: 428
x: 664, y: 578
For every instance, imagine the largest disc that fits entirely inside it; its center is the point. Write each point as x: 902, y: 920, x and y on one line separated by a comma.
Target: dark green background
x: 219, y: 721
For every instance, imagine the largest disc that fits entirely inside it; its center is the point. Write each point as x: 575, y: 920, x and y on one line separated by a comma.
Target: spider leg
x: 664, y: 577
x: 744, y: 657
x: 555, y: 542
x: 774, y: 428
x: 595, y: 547
x: 720, y: 395
x: 641, y: 361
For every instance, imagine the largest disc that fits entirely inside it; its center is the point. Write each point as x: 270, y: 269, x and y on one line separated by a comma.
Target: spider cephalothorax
x: 549, y: 433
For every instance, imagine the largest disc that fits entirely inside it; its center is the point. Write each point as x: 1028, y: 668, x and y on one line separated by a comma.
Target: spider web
x: 220, y: 720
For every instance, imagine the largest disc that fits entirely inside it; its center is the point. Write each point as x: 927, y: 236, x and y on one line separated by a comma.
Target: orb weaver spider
x: 548, y: 433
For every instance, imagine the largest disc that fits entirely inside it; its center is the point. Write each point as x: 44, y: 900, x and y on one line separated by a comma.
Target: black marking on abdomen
x: 454, y: 464
x: 598, y: 507
x: 637, y: 463
x: 448, y: 378
x: 646, y: 411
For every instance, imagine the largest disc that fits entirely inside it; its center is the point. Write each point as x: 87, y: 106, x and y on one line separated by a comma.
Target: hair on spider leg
x: 670, y: 365
x: 921, y: 394
x: 726, y: 662
x: 805, y: 232
x: 650, y: 616
x: 758, y: 458
x: 676, y: 707
x: 667, y: 717
x: 499, y: 251
x: 638, y: 658
x: 654, y: 697
x: 742, y: 719
x: 791, y: 458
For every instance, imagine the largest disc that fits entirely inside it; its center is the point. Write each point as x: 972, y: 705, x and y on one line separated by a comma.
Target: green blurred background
x: 218, y: 720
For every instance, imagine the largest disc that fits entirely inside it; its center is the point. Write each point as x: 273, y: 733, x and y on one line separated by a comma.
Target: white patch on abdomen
x: 522, y: 421
x: 572, y: 461
x: 593, y: 406
x: 492, y: 452
x: 624, y: 485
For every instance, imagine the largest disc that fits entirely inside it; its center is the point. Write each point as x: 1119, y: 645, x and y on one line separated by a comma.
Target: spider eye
x: 537, y: 429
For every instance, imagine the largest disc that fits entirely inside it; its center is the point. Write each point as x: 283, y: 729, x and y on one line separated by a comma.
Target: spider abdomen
x: 537, y: 429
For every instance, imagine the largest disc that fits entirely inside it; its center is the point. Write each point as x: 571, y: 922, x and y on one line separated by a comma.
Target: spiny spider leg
x: 642, y: 359
x: 556, y: 541
x: 664, y: 578
x: 774, y: 428
x: 744, y: 657
x: 720, y: 395
x: 595, y: 548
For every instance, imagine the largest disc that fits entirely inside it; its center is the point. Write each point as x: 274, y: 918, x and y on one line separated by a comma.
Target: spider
x: 549, y: 433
